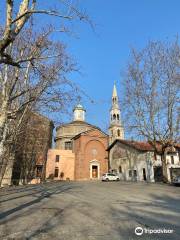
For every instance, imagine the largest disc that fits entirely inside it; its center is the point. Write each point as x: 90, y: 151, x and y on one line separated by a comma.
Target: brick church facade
x: 91, y: 159
x: 81, y: 148
x: 80, y: 152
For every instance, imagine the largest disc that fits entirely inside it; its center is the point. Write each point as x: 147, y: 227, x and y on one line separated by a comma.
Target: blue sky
x: 120, y: 25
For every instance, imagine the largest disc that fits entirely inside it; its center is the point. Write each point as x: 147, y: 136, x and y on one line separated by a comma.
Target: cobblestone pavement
x: 89, y: 211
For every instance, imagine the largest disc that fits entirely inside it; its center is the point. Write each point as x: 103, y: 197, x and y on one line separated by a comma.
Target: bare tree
x: 33, y: 68
x: 152, y: 83
x: 40, y: 82
x: 19, y: 13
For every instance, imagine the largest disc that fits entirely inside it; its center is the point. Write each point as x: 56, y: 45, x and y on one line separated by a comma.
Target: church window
x: 57, y: 158
x: 68, y: 145
x: 114, y: 117
x: 130, y: 173
x: 120, y: 169
x: 118, y: 133
x: 118, y: 117
x: 56, y: 172
x: 112, y: 132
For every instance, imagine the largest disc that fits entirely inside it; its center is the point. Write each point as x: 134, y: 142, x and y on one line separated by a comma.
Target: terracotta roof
x: 142, y: 146
x: 78, y: 135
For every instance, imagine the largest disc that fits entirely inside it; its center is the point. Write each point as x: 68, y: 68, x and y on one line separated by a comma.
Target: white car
x: 176, y: 181
x: 110, y: 177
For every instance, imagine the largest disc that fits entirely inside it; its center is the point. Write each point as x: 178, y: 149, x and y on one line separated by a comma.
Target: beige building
x: 131, y: 160
x: 172, y: 166
x: 60, y: 164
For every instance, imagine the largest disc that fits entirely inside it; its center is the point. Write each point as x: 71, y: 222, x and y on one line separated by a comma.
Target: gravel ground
x: 89, y: 211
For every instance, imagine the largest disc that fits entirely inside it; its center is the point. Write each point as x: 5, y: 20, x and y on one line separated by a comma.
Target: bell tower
x: 116, y: 130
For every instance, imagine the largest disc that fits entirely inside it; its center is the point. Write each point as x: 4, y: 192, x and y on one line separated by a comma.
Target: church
x: 84, y: 152
x: 80, y: 151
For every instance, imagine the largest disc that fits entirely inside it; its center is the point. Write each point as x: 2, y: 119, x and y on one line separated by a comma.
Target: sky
x: 103, y: 54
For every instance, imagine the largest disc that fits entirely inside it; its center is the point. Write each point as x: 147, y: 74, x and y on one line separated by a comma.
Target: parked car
x: 110, y: 177
x: 176, y: 181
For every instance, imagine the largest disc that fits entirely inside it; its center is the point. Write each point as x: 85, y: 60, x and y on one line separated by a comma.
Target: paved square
x: 89, y: 211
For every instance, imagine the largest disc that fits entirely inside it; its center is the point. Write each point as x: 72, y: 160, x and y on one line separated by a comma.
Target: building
x: 80, y: 151
x: 116, y: 130
x: 131, y: 160
x: 91, y: 159
x: 60, y: 164
x: 65, y: 132
x: 138, y: 161
x: 32, y: 146
x: 171, y: 167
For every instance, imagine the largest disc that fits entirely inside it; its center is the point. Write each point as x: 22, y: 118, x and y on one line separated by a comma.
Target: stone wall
x: 129, y: 163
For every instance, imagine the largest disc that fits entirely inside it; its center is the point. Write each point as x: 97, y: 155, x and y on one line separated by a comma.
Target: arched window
x: 118, y: 133
x: 114, y: 116
x: 120, y: 169
x: 118, y: 117
x: 111, y: 132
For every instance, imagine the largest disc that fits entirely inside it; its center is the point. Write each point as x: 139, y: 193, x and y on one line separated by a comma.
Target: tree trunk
x: 3, y: 137
x: 3, y: 158
x: 164, y: 167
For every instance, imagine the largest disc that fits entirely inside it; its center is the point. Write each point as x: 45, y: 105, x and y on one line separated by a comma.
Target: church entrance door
x: 94, y: 171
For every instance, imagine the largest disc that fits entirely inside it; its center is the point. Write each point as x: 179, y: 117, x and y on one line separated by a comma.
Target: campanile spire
x: 116, y: 130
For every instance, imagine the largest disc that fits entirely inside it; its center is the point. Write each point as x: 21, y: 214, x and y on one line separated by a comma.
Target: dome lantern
x: 79, y: 113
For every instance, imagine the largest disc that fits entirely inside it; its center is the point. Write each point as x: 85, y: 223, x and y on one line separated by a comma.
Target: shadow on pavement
x: 162, y: 212
x: 39, y: 196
